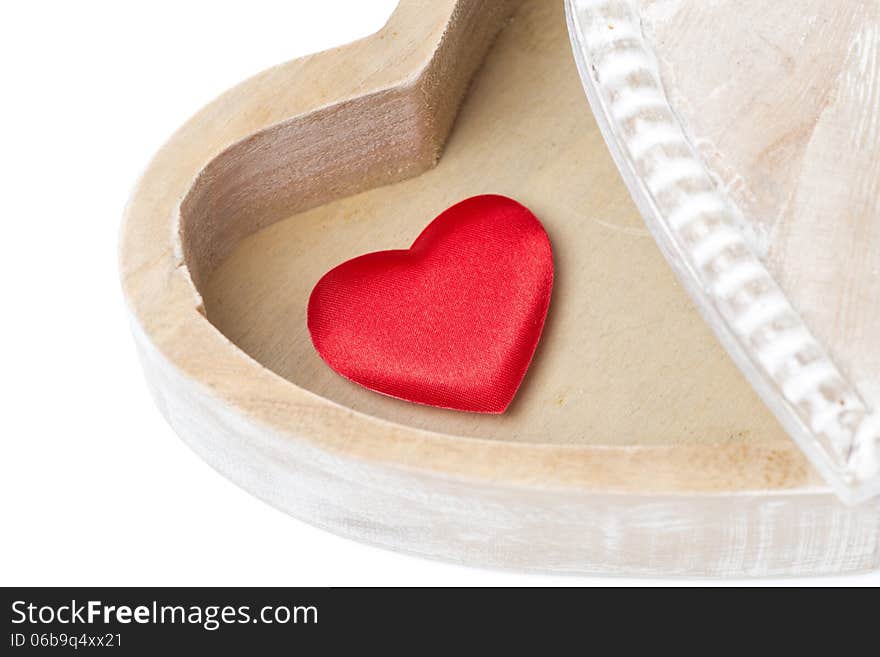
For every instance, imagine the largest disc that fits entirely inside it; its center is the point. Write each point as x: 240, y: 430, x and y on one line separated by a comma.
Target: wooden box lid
x: 748, y: 136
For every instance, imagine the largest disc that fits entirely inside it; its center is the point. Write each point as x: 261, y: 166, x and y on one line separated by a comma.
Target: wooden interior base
x: 625, y: 358
x: 634, y: 446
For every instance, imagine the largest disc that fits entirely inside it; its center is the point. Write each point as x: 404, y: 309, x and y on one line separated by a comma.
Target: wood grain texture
x: 622, y: 341
x: 714, y: 243
x: 792, y: 133
x: 649, y: 455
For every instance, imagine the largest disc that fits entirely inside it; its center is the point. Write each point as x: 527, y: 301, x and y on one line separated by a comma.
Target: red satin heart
x: 453, y: 321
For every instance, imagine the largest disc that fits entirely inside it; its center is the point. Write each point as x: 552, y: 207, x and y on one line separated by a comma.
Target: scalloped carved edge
x: 708, y: 244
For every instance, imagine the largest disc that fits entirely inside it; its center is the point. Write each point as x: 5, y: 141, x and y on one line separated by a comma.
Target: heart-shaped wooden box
x: 635, y: 446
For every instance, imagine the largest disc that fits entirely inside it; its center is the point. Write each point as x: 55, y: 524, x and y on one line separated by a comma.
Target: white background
x: 95, y: 488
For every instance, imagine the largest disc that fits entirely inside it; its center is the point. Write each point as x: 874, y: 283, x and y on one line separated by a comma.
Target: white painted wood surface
x: 793, y: 134
x: 265, y: 167
x: 716, y: 149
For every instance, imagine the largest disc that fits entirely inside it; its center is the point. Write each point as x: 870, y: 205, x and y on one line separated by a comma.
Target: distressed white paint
x: 505, y: 526
x: 710, y: 506
x: 714, y: 244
